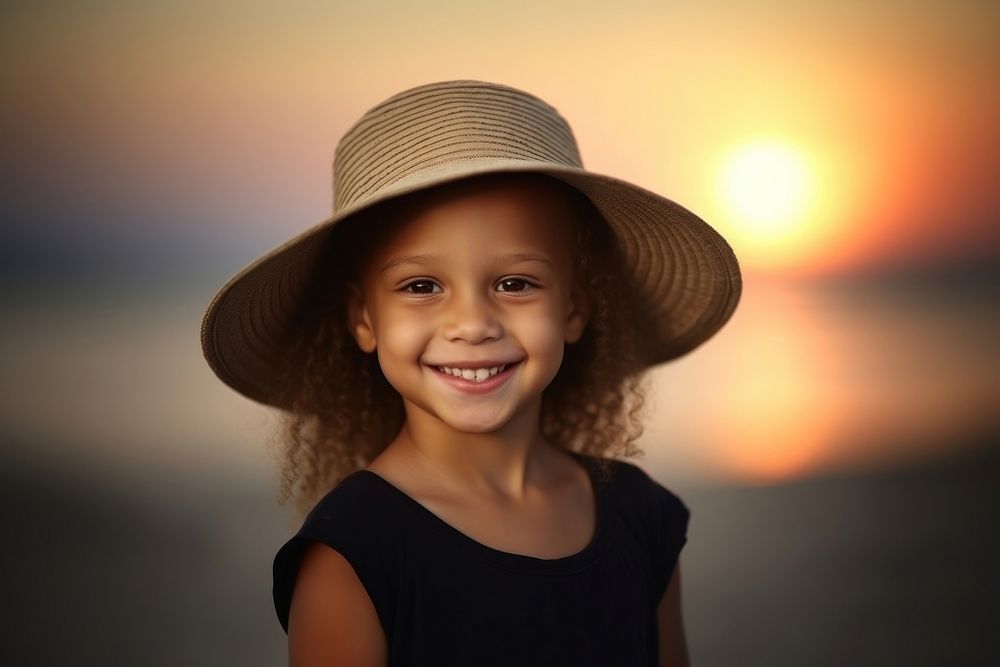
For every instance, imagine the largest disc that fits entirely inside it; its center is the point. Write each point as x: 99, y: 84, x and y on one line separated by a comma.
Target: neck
x: 500, y: 463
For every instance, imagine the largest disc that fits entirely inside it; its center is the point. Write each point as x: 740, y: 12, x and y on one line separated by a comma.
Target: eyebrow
x: 430, y: 259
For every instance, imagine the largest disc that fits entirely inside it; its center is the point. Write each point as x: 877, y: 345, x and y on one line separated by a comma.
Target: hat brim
x: 683, y: 270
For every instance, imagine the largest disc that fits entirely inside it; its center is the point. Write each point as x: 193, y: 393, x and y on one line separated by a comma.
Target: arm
x: 673, y: 645
x: 332, y: 621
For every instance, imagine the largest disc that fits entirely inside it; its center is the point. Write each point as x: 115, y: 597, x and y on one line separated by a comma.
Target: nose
x: 471, y: 317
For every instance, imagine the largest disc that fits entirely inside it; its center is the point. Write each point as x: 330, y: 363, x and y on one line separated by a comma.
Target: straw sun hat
x: 683, y: 272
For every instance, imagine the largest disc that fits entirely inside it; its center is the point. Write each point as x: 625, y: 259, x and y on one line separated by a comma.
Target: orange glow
x: 777, y: 423
x: 805, y: 381
x: 787, y: 204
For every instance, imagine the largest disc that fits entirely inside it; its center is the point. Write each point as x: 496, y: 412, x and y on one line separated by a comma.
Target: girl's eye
x: 422, y: 286
x: 519, y: 284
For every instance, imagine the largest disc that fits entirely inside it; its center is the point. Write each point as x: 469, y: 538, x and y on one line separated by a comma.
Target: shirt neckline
x: 569, y: 564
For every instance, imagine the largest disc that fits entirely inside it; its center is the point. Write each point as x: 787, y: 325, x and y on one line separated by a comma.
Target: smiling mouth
x: 474, y: 375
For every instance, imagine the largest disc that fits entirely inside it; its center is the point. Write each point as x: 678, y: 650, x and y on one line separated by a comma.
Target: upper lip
x: 486, y: 363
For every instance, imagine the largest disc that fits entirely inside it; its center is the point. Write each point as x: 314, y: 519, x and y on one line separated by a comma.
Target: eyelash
x: 531, y: 285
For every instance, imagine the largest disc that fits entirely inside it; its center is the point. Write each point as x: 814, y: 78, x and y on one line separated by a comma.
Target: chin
x: 478, y: 427
x: 476, y: 424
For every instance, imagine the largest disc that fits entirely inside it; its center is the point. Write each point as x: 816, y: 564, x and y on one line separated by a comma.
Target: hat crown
x: 447, y: 122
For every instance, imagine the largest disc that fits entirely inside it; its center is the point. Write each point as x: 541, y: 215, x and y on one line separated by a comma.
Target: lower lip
x: 484, y: 387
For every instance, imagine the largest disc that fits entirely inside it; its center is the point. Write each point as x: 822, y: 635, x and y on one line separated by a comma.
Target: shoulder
x: 653, y: 514
x: 353, y: 519
x: 354, y: 515
x: 631, y: 483
x: 332, y: 619
x: 358, y: 497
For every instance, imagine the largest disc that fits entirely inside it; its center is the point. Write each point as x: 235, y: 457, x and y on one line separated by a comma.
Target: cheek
x: 541, y: 334
x: 403, y: 336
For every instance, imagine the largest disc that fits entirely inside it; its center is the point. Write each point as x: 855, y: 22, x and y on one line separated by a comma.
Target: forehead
x: 502, y: 213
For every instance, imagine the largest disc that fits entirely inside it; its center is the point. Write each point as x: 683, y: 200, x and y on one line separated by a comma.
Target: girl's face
x: 472, y: 278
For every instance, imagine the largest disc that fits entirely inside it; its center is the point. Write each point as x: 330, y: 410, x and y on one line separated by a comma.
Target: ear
x: 359, y: 319
x: 579, y: 315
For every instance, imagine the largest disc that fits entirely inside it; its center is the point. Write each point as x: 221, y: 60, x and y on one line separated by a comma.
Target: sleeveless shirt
x: 444, y: 598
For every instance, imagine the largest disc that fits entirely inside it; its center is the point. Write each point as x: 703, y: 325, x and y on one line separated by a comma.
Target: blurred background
x: 837, y: 442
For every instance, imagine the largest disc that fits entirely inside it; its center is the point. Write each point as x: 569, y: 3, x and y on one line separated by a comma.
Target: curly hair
x: 344, y: 412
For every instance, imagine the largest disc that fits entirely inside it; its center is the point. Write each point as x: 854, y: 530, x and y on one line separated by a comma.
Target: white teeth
x: 473, y: 374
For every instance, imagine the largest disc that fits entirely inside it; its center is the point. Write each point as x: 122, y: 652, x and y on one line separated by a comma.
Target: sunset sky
x: 816, y: 136
x: 151, y: 150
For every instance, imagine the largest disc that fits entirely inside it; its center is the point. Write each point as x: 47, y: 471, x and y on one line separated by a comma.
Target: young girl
x: 459, y: 354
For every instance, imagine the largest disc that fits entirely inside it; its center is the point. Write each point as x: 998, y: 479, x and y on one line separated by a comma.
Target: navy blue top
x: 445, y: 599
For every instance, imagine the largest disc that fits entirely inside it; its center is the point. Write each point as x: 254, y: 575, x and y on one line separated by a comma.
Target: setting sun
x: 766, y: 187
x: 782, y: 205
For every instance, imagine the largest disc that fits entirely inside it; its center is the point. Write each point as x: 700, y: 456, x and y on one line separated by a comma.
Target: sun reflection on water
x: 805, y: 380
